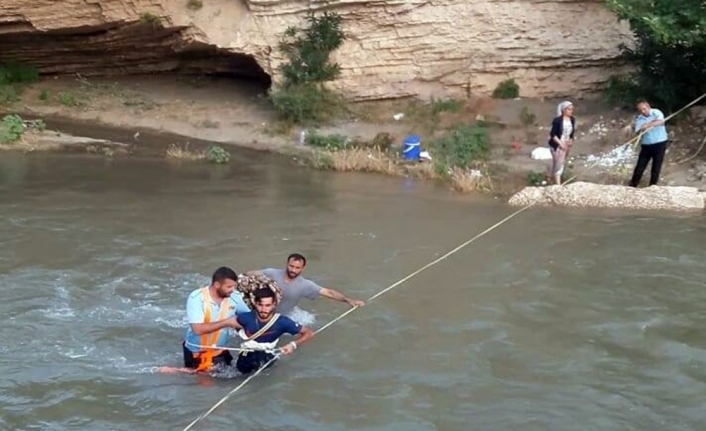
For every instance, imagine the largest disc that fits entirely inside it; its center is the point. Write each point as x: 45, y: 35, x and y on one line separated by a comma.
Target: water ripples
x: 559, y: 320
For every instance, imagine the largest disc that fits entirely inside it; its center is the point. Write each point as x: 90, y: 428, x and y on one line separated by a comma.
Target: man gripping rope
x: 653, y: 142
x: 262, y: 328
x: 210, y: 311
x: 295, y: 287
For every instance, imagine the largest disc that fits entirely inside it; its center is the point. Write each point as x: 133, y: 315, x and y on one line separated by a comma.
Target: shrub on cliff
x: 302, y: 97
x: 507, y: 89
x: 309, y: 49
x: 670, y: 52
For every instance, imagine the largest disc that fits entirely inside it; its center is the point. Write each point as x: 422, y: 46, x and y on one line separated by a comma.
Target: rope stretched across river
x: 396, y: 284
x: 352, y: 309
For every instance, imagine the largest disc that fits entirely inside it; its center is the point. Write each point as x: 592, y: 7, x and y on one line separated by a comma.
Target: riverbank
x: 193, y: 113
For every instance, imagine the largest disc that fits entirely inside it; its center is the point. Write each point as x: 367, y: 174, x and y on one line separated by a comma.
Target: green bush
x: 622, y: 91
x: 302, y: 98
x: 67, y: 98
x: 17, y: 73
x: 461, y: 146
x: 308, y: 50
x: 216, y: 154
x: 11, y: 129
x: 535, y: 178
x: 445, y: 105
x: 152, y: 20
x: 305, y: 103
x: 329, y: 142
x: 669, y: 52
x: 13, y: 77
x: 507, y: 89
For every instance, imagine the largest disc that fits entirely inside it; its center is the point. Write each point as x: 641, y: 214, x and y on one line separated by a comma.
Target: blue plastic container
x: 411, y: 147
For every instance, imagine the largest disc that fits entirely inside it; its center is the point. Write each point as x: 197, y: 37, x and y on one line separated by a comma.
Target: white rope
x: 231, y: 393
x: 634, y: 141
x: 350, y: 310
x: 430, y: 264
x: 233, y: 349
x: 392, y: 286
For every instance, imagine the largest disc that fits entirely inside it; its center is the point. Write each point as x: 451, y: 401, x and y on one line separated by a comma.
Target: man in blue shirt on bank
x: 653, y: 142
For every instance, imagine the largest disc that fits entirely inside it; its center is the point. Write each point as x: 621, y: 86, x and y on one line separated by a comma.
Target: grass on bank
x: 214, y: 154
x: 458, y: 158
x: 179, y: 152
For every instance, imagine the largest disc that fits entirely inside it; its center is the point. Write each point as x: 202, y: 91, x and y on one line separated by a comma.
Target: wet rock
x: 589, y: 195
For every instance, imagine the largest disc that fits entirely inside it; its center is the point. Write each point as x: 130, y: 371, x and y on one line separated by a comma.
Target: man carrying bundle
x: 295, y: 287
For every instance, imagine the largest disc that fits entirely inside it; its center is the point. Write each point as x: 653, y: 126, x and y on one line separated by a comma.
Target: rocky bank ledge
x: 587, y: 195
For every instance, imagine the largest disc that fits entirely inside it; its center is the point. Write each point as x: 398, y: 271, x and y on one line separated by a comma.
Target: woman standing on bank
x: 561, y: 138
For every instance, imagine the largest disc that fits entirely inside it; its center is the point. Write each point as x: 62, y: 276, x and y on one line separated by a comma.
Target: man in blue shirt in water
x: 210, y: 312
x: 263, y: 328
x: 653, y: 142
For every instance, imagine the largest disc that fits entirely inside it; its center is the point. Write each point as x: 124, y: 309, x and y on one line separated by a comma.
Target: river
x: 558, y: 320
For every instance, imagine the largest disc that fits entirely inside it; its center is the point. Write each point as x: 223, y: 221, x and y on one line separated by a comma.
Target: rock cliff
x: 395, y: 48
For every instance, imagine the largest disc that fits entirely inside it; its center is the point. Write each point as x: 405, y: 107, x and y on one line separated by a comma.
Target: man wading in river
x: 210, y: 311
x: 294, y: 286
x: 262, y: 329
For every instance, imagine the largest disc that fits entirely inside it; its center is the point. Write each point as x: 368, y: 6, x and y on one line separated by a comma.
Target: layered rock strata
x: 444, y: 48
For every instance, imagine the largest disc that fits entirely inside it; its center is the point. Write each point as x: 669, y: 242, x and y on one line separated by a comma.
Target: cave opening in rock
x: 126, y: 50
x: 213, y: 62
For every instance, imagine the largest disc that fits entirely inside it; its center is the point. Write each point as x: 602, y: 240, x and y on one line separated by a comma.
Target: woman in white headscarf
x: 561, y: 138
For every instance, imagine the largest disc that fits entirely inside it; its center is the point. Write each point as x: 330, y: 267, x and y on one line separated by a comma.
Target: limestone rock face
x: 586, y: 195
x: 395, y: 48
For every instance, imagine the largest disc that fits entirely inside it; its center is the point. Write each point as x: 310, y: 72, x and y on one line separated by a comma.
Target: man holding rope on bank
x: 653, y: 142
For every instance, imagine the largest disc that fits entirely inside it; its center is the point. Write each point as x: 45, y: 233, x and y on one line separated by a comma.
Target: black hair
x: 264, y: 292
x: 222, y: 274
x: 640, y: 101
x: 297, y: 256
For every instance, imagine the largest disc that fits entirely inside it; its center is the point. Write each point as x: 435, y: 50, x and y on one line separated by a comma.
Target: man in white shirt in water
x: 294, y: 286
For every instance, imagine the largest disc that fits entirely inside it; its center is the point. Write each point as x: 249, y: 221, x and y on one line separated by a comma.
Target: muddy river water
x: 558, y: 320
